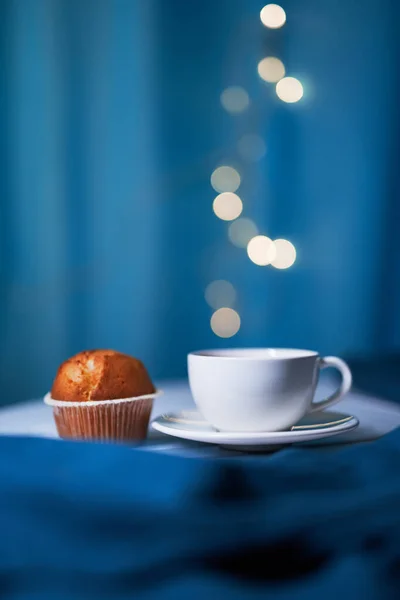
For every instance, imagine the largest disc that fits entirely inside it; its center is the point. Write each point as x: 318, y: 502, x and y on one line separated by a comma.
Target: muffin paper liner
x: 124, y: 419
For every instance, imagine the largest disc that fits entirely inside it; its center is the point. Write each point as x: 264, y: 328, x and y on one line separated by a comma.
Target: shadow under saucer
x: 254, y: 449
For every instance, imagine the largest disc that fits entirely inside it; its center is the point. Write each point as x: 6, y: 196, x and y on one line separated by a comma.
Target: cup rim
x: 254, y: 354
x: 65, y: 403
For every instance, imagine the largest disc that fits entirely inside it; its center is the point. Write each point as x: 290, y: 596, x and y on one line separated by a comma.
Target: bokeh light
x: 289, y: 89
x: 225, y: 179
x: 235, y: 99
x: 261, y: 250
x: 285, y: 254
x: 220, y: 293
x: 271, y: 69
x: 225, y: 322
x: 227, y: 206
x: 251, y: 147
x: 241, y: 231
x: 273, y: 16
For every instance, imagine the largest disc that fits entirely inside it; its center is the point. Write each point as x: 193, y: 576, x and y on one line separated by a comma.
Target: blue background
x: 111, y: 126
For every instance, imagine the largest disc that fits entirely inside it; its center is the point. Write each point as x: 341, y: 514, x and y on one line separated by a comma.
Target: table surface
x: 376, y: 416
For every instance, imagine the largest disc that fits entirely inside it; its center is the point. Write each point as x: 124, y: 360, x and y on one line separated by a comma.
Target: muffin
x: 102, y: 394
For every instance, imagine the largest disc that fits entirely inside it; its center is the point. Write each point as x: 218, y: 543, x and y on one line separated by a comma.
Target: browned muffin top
x: 101, y: 375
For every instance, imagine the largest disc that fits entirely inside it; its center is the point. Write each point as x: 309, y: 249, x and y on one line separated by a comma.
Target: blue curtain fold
x: 111, y: 125
x: 79, y: 227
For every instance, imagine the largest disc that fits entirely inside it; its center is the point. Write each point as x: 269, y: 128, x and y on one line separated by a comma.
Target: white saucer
x: 190, y: 425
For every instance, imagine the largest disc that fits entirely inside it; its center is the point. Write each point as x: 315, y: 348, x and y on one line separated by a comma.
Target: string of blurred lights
x: 228, y: 206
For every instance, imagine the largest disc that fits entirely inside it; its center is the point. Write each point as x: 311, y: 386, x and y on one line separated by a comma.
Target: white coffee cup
x: 260, y: 389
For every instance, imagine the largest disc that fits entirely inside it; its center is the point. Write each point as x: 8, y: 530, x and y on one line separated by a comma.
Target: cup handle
x: 340, y: 365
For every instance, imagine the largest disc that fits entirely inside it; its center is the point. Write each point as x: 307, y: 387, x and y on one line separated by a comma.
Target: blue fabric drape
x: 91, y: 521
x: 111, y: 126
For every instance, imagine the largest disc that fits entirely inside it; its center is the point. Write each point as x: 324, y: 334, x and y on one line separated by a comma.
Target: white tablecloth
x: 376, y: 417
